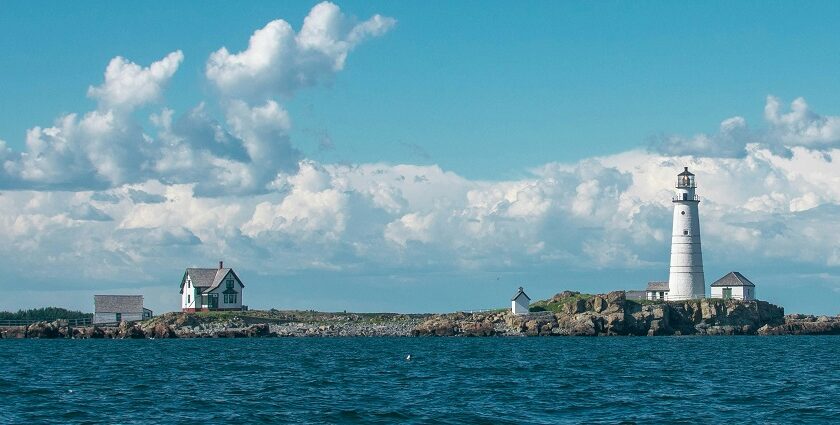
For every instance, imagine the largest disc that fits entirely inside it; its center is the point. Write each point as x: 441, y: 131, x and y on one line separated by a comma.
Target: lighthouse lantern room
x: 686, y: 279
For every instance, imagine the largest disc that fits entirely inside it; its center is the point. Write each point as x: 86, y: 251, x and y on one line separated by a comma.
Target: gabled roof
x: 202, y: 278
x: 519, y: 293
x: 118, y: 303
x: 207, y: 279
x: 220, y: 276
x: 657, y: 286
x: 733, y: 279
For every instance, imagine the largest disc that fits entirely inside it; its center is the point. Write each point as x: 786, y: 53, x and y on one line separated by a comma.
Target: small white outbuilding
x: 733, y: 285
x: 520, y: 302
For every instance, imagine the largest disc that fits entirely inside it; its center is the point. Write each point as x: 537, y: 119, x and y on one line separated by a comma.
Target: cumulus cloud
x: 249, y: 151
x: 312, y: 209
x: 128, y: 85
x: 111, y: 195
x: 96, y: 150
x: 799, y: 127
x: 610, y: 211
x: 730, y: 141
x: 278, y: 61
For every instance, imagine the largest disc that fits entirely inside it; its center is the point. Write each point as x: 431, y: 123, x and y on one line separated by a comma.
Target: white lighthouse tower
x: 686, y: 277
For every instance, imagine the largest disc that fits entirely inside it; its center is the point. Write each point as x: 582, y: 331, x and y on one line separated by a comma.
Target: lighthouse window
x: 682, y: 212
x: 685, y: 232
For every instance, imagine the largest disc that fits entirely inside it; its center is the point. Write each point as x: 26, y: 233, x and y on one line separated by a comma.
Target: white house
x: 211, y: 290
x: 520, y: 302
x: 733, y: 285
x: 657, y: 290
x: 119, y: 308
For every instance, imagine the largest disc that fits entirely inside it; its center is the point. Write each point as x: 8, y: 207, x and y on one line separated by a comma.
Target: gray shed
x: 119, y: 308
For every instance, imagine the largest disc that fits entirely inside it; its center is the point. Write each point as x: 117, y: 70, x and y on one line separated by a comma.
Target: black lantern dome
x: 685, y: 179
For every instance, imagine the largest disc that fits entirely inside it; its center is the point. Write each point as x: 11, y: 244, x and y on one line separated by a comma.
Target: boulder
x: 258, y: 330
x: 43, y: 330
x: 575, y: 306
x: 14, y: 332
x: 129, y: 331
x: 435, y: 326
x: 532, y: 327
x: 162, y: 330
x: 599, y: 304
x: 483, y: 328
x: 563, y: 295
x: 613, y: 324
x: 583, y: 326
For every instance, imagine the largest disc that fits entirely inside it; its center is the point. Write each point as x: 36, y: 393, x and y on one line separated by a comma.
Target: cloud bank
x: 109, y: 194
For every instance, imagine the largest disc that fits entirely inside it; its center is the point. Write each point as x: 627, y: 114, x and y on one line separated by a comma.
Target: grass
x: 284, y: 316
x: 557, y: 305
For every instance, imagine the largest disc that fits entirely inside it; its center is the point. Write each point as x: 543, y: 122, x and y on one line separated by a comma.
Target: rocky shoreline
x: 573, y: 314
x: 566, y: 314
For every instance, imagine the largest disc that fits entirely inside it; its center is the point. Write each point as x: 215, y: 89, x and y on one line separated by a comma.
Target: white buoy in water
x: 408, y: 358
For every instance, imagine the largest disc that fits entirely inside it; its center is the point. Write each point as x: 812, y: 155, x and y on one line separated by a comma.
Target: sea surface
x: 791, y: 379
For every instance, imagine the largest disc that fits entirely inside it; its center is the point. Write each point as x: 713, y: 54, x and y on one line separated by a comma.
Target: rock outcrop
x: 800, y: 324
x: 572, y: 314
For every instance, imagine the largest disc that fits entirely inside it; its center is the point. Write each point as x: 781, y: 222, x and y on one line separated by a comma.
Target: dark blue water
x: 449, y: 380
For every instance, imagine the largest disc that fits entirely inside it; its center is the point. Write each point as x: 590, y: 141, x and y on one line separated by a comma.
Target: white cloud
x: 96, y: 150
x: 128, y: 85
x: 278, y: 61
x: 410, y: 227
x: 730, y: 141
x: 311, y: 210
x: 113, y: 196
x: 610, y: 212
x: 801, y: 126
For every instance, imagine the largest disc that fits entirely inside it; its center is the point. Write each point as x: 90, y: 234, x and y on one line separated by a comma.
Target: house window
x: 119, y: 317
x: 230, y: 284
x: 230, y: 298
x: 188, y: 298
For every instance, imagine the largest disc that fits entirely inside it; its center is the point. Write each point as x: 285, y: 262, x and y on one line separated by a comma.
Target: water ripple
x: 450, y: 380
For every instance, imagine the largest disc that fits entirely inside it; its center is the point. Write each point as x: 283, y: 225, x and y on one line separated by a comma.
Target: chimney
x: 221, y: 264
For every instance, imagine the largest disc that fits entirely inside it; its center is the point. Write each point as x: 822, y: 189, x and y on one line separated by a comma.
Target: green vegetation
x: 44, y: 314
x: 277, y: 316
x: 557, y: 303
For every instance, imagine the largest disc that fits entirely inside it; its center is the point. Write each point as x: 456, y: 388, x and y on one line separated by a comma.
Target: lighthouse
x: 686, y: 279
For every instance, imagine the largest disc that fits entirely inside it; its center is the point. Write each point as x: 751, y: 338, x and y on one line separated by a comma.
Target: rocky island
x: 566, y: 314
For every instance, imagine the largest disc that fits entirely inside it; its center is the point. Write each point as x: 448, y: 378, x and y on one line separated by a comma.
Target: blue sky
x: 468, y: 83
x: 556, y: 125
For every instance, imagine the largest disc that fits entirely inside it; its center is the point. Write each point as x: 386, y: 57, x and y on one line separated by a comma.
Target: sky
x: 390, y: 156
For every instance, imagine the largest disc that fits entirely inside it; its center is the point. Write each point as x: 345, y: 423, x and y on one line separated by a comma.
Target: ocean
x: 791, y: 379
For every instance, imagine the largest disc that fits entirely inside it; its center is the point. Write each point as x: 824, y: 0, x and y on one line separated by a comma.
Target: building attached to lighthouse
x: 686, y: 279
